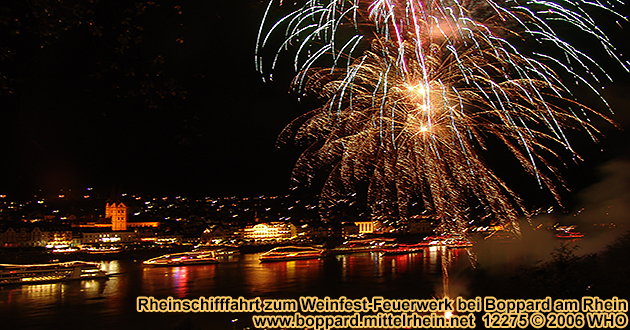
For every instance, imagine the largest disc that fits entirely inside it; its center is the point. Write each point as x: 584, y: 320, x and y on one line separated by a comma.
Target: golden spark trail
x: 437, y: 83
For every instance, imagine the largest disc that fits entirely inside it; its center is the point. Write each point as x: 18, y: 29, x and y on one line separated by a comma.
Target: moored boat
x: 102, y: 250
x: 286, y: 253
x: 50, y: 272
x: 184, y: 259
x: 568, y: 232
x: 220, y: 250
x: 448, y: 241
x: 403, y: 249
x: 569, y: 235
x: 364, y: 245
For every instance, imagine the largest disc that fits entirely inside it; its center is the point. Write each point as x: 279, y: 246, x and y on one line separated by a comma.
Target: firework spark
x: 437, y: 81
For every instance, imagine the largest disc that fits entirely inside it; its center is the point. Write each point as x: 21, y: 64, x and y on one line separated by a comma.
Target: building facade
x: 35, y: 237
x: 270, y: 231
x: 113, y: 237
x: 365, y: 227
x: 118, y: 212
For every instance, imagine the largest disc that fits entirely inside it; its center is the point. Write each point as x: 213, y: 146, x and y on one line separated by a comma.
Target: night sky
x: 162, y: 97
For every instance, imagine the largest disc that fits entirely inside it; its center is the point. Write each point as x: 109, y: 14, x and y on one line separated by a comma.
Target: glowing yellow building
x: 365, y: 227
x: 270, y: 231
x: 118, y: 212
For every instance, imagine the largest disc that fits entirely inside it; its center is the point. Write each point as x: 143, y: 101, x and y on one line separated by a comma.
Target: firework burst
x: 412, y: 115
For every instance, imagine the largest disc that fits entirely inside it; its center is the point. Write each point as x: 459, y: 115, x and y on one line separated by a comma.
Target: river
x: 111, y: 303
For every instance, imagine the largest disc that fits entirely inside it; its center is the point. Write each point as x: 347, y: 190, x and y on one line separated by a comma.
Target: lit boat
x: 184, y: 259
x: 459, y: 243
x: 220, y: 250
x: 52, y: 272
x: 568, y: 232
x: 65, y: 250
x: 285, y: 253
x: 573, y: 235
x: 449, y: 241
x: 102, y: 250
x: 404, y: 249
x: 364, y: 245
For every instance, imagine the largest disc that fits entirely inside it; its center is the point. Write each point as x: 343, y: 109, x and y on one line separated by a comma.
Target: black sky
x: 158, y: 97
x: 175, y: 108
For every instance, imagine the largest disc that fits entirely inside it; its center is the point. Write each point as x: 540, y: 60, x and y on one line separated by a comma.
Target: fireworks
x: 436, y: 83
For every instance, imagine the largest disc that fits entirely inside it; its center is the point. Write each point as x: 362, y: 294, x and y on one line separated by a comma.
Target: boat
x: 285, y: 253
x: 403, y: 249
x: 573, y: 235
x: 457, y: 243
x: 184, y: 259
x: 50, y: 272
x: 364, y: 245
x: 448, y: 241
x: 66, y: 250
x: 568, y: 232
x: 102, y: 250
x: 220, y: 250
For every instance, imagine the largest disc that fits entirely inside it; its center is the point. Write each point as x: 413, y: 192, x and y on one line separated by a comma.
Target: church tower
x: 117, y: 211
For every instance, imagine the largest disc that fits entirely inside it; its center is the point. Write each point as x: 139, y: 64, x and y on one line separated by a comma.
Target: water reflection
x: 40, y: 302
x: 400, y: 264
x: 264, y: 279
x: 56, y: 293
x: 111, y: 266
x: 111, y: 303
x: 176, y: 281
x: 358, y: 265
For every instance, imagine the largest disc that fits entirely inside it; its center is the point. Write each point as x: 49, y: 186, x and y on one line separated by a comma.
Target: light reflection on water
x: 107, y: 304
x: 178, y: 282
x: 263, y: 279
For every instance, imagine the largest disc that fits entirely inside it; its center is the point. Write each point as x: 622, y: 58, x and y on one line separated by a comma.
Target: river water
x: 111, y: 303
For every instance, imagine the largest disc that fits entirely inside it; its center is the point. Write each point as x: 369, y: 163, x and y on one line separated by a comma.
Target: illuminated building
x: 269, y: 231
x: 35, y: 236
x: 117, y: 218
x: 113, y: 237
x: 22, y: 237
x: 118, y: 213
x: 365, y: 227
